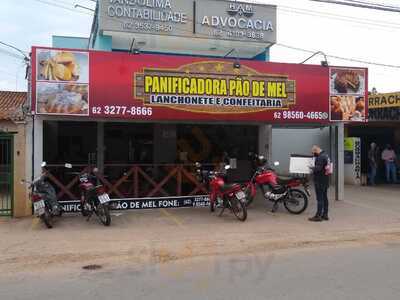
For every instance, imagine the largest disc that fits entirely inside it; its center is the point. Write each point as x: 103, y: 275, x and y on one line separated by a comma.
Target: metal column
x: 339, y: 161
x: 100, y: 147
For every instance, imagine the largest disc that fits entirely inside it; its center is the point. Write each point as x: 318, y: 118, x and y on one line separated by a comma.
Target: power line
x: 372, y: 3
x: 341, y: 57
x: 360, y: 4
x: 5, y: 52
x: 383, y: 24
x: 308, y: 51
x: 13, y: 47
x: 64, y: 7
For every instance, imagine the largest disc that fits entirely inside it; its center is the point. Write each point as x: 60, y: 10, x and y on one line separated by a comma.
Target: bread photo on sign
x: 347, y: 81
x: 63, y: 98
x: 61, y: 67
x: 336, y: 108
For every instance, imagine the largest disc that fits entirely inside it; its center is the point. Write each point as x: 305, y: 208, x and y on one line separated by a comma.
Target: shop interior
x: 156, y: 149
x: 381, y: 133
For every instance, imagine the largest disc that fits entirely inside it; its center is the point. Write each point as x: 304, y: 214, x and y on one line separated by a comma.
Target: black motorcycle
x: 44, y: 198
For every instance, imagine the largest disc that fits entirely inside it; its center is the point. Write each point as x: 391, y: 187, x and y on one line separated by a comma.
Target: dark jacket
x: 373, y: 158
x: 320, y: 179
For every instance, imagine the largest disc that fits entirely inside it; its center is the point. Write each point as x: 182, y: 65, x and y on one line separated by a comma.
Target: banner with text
x: 159, y: 87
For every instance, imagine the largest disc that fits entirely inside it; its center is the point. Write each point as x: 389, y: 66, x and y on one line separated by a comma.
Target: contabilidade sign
x: 100, y: 84
x: 212, y: 19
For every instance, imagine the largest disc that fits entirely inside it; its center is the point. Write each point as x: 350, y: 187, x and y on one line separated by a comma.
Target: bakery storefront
x: 144, y: 119
x: 172, y: 83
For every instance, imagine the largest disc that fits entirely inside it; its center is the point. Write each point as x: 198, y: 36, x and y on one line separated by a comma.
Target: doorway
x: 6, y: 175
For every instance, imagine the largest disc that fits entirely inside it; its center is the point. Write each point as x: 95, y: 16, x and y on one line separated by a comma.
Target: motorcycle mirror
x: 68, y: 166
x: 276, y: 163
x: 43, y: 164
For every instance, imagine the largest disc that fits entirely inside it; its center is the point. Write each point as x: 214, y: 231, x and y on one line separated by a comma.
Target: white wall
x: 287, y: 141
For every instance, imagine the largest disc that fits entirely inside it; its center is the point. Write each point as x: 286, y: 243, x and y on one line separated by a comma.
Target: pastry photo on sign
x: 62, y: 99
x: 347, y: 81
x: 347, y: 108
x: 60, y: 65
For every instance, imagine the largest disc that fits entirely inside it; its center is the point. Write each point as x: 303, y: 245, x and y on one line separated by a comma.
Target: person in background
x: 321, y: 181
x: 372, y: 163
x: 389, y: 157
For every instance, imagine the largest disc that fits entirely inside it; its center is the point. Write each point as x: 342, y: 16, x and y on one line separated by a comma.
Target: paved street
x: 367, y: 214
x: 158, y: 253
x: 371, y: 272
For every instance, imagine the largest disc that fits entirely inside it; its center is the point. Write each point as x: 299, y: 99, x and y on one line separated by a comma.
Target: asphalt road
x: 368, y: 272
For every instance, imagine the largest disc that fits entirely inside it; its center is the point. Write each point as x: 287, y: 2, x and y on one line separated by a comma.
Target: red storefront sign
x: 162, y: 87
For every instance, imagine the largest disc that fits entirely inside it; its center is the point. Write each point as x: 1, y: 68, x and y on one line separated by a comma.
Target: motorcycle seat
x: 227, y: 187
x: 284, y: 180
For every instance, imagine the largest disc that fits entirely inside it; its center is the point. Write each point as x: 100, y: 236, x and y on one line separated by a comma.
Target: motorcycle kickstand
x: 89, y: 216
x: 275, y: 207
x: 222, y: 211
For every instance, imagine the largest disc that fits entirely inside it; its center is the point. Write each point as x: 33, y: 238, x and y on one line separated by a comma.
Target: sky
x: 357, y: 33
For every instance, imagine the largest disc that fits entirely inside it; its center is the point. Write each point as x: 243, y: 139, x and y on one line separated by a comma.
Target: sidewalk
x: 368, y: 215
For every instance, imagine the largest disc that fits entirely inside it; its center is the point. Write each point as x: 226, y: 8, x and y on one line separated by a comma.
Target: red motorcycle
x: 222, y: 195
x: 277, y: 189
x: 94, y: 199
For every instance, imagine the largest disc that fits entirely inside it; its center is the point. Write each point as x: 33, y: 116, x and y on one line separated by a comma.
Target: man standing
x: 389, y: 157
x: 321, y: 181
x: 372, y: 163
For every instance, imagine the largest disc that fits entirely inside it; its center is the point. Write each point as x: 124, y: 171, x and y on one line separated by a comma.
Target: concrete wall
x: 103, y: 42
x: 287, y: 141
x: 69, y: 42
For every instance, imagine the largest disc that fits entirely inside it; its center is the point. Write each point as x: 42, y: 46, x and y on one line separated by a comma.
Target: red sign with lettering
x: 162, y: 87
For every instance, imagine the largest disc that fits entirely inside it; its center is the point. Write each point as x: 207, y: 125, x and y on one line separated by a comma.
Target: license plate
x: 307, y: 191
x: 240, y: 195
x: 39, y: 207
x: 104, y: 198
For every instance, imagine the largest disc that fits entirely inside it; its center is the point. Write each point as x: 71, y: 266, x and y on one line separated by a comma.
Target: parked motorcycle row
x: 237, y: 197
x: 232, y: 197
x: 94, y: 199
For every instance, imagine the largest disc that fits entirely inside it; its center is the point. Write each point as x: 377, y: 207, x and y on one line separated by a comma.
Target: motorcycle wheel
x: 296, y: 202
x: 239, y: 209
x: 84, y: 211
x: 249, y: 197
x: 46, y: 218
x: 212, y: 206
x: 103, y: 213
x: 60, y: 212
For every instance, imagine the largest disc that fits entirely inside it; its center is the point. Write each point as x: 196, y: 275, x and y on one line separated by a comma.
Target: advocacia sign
x: 213, y: 19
